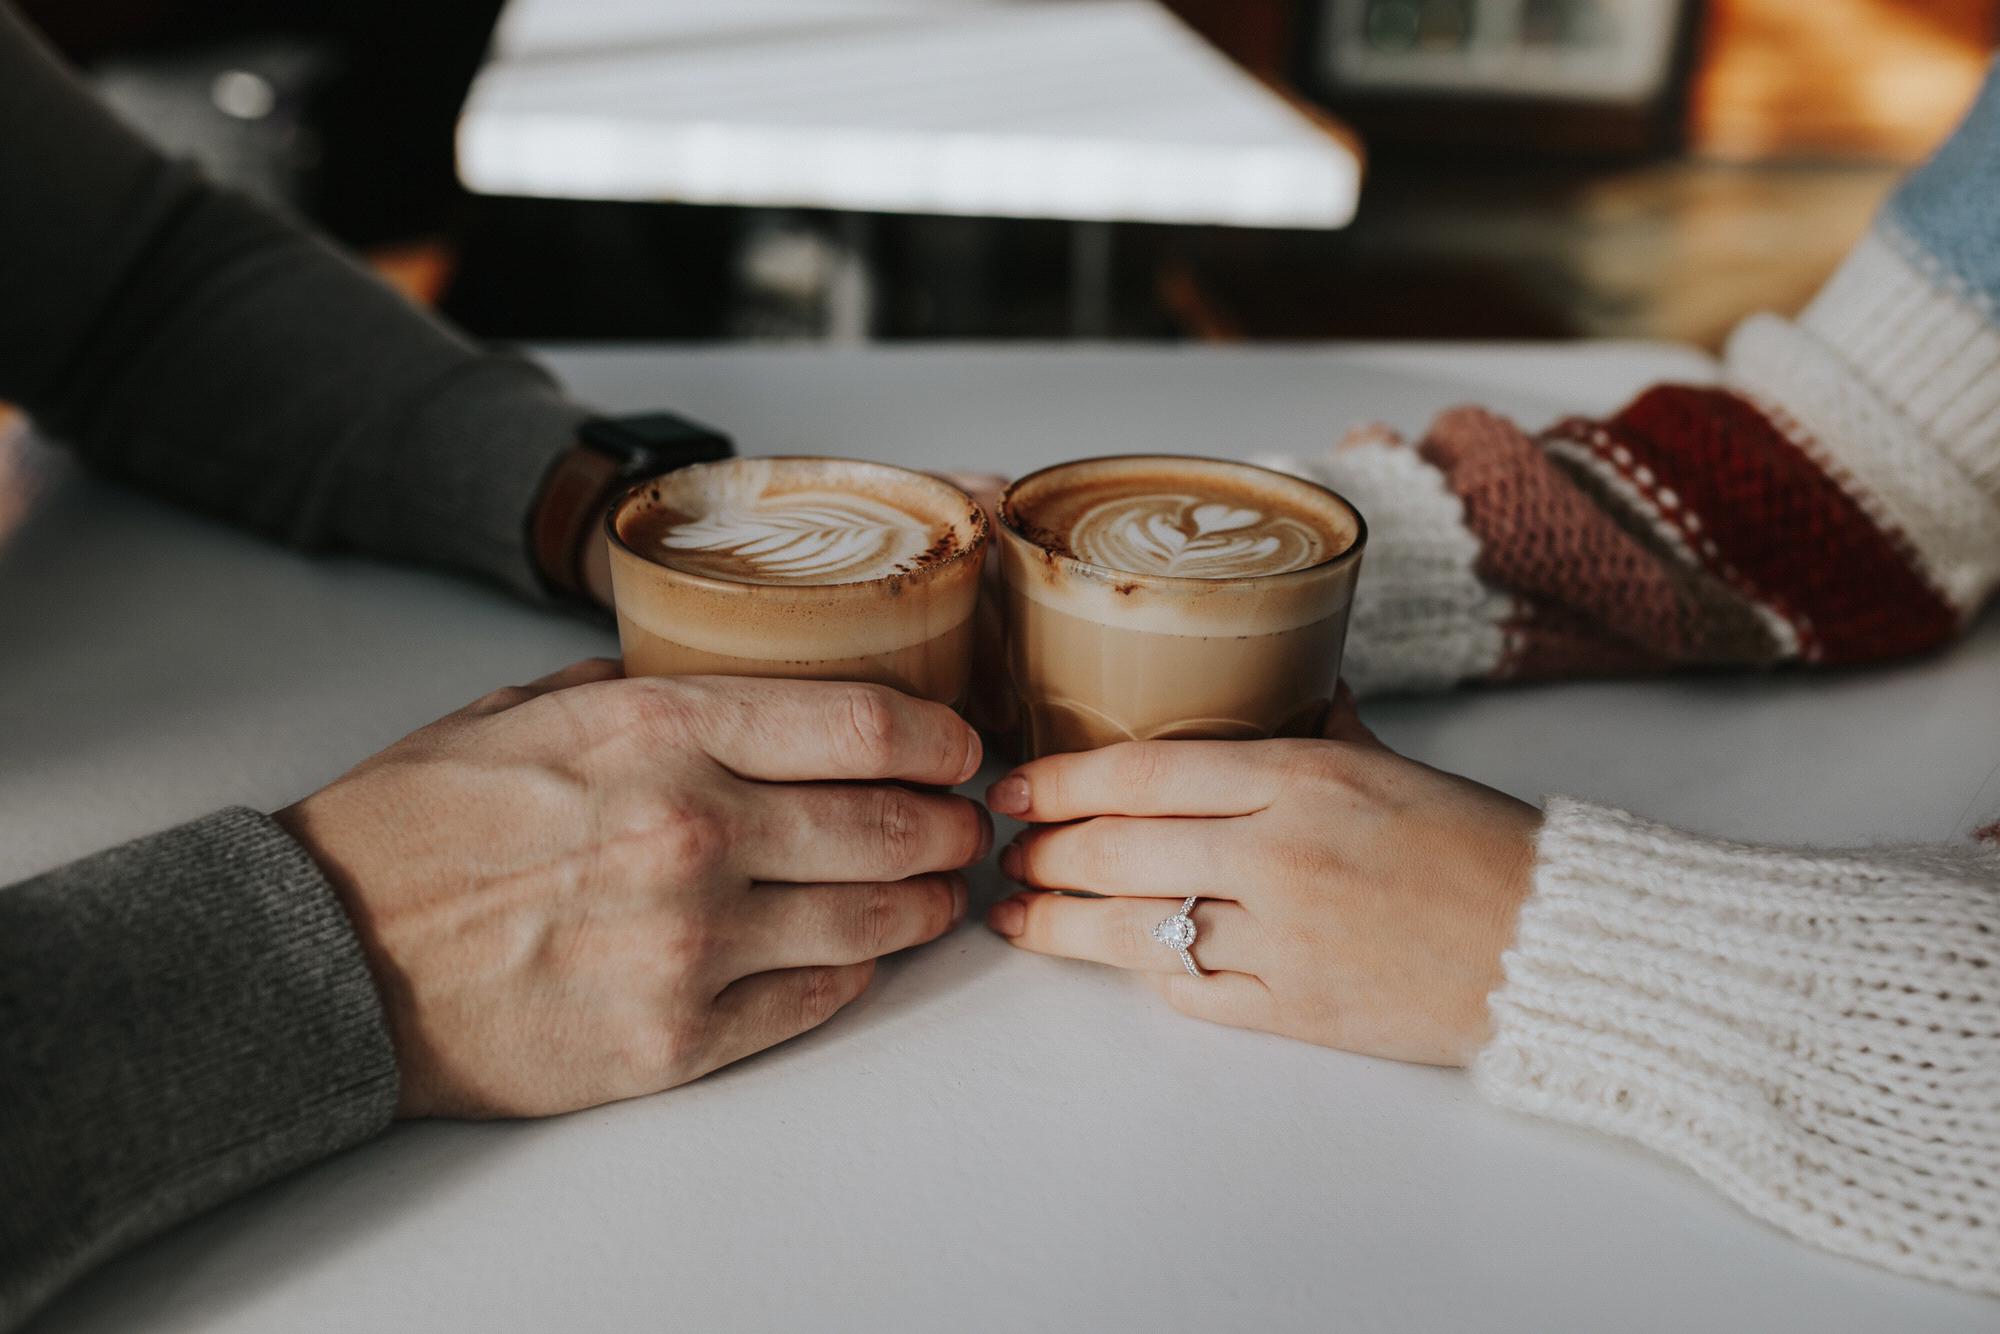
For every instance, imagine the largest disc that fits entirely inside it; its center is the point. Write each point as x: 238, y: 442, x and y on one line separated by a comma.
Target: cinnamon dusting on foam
x: 946, y: 546
x: 1047, y: 539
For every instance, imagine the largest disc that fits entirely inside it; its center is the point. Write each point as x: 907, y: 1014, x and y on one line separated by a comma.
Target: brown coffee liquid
x: 938, y: 668
x: 1154, y: 597
x: 820, y: 569
x: 1083, y: 684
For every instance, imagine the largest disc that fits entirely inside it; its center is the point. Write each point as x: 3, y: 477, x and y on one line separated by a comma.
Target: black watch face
x: 652, y: 443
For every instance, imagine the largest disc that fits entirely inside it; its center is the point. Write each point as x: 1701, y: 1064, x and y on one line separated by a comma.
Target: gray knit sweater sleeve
x: 182, y: 338
x: 188, y: 1015
x: 181, y: 1018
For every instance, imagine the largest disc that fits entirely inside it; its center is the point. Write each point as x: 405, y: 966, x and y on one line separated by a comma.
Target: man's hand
x: 591, y: 888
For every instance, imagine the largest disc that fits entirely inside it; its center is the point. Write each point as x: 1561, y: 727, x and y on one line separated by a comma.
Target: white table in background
x: 988, y: 1140
x: 1088, y: 110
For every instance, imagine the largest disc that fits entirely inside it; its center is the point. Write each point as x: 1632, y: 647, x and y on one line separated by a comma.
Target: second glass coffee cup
x: 1162, y: 596
x: 816, y: 568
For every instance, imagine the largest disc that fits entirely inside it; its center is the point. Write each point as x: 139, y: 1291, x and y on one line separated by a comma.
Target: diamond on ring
x: 1177, y: 933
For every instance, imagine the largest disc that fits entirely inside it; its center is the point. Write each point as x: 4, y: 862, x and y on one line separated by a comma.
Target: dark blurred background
x: 1535, y: 168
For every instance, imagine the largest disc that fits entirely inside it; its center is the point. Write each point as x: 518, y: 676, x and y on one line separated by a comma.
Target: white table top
x: 988, y: 1140
x: 1078, y: 109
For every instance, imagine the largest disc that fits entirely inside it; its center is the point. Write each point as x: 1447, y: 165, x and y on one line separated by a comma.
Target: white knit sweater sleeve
x: 1816, y: 1033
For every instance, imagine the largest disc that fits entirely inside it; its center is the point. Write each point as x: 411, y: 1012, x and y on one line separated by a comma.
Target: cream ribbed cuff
x: 1816, y: 1033
x: 1915, y: 491
x: 1925, y: 348
x: 1422, y: 619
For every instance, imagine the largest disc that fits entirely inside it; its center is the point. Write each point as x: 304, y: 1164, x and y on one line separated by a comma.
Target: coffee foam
x: 796, y: 559
x: 1184, y: 535
x: 763, y: 525
x: 1179, y: 546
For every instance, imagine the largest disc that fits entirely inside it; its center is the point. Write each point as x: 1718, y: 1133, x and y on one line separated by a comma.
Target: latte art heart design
x: 1166, y: 542
x: 1190, y: 538
x: 802, y: 539
x: 1221, y: 519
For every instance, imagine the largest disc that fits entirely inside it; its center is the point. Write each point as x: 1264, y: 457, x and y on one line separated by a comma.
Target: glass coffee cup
x: 815, y: 568
x: 1160, y: 596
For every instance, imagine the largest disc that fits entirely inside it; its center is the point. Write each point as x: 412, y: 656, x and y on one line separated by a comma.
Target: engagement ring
x: 1177, y: 933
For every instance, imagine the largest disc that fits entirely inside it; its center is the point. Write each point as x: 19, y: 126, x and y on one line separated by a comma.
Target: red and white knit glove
x: 1821, y: 506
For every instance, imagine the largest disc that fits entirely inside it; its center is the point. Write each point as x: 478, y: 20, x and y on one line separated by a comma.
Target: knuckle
x: 499, y: 701
x: 817, y: 996
x: 623, y: 859
x: 867, y: 726
x: 676, y: 1047
x: 652, y: 706
x: 1140, y: 767
x: 690, y: 946
x: 1132, y: 936
x: 899, y: 825
x: 693, y: 838
x: 1316, y: 762
x: 633, y: 1055
x: 1050, y: 787
x: 1099, y: 855
x: 876, y: 917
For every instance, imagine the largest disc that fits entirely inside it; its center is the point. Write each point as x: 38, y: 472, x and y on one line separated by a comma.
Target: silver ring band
x: 1178, y: 934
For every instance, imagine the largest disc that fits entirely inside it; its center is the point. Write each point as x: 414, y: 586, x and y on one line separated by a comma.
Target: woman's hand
x: 1350, y: 897
x: 591, y: 888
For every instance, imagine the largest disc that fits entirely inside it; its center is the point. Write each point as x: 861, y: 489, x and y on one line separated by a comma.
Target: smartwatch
x: 610, y: 455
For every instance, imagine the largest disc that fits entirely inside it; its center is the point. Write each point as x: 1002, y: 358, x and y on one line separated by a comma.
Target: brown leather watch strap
x: 573, y: 498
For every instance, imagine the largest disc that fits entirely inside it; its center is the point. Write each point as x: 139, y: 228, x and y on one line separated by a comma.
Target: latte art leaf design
x: 801, y: 539
x: 1190, y: 538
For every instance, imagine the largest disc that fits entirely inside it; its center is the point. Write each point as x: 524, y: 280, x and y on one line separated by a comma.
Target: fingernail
x: 973, y: 754
x: 961, y: 899
x: 985, y: 837
x: 1007, y: 917
x: 1010, y: 861
x: 1009, y: 796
